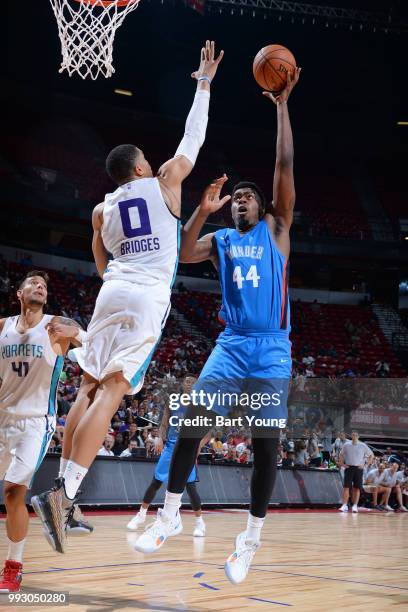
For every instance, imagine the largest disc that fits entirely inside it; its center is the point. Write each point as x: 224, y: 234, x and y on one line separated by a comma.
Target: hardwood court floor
x: 311, y: 561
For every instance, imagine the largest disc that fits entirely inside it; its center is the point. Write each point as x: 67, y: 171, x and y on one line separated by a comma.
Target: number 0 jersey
x: 141, y: 233
x: 29, y: 370
x: 254, y: 280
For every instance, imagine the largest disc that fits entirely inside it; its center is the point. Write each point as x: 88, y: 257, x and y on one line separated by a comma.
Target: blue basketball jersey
x: 254, y: 280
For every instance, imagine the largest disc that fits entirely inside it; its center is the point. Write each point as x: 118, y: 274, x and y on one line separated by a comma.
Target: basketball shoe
x: 78, y: 525
x: 237, y: 565
x: 11, y: 577
x: 55, y: 511
x: 157, y: 533
x: 136, y: 521
x: 199, y: 529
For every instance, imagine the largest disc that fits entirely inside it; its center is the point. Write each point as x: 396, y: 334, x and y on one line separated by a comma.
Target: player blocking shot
x: 32, y: 353
x: 253, y: 354
x: 139, y: 225
x: 169, y: 432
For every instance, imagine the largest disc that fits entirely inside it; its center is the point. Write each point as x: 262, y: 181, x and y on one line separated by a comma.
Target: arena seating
x: 317, y: 328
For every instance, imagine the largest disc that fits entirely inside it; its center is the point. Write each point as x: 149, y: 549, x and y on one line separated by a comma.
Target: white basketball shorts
x: 124, y: 330
x: 23, y: 444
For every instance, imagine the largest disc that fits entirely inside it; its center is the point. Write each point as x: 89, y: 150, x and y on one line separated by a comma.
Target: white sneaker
x: 343, y: 508
x: 388, y: 508
x: 237, y: 565
x: 157, y: 533
x: 402, y: 509
x: 136, y: 521
x: 354, y: 508
x: 178, y: 528
x: 199, y: 530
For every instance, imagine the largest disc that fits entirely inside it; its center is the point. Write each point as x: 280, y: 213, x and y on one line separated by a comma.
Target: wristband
x: 204, y: 78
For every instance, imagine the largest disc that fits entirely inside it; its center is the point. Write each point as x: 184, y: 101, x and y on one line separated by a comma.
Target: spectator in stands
x: 216, y: 447
x: 402, y: 480
x: 131, y: 450
x: 390, y: 482
x: 314, y: 451
x: 301, y: 457
x: 63, y: 405
x: 338, y: 445
x: 119, y: 446
x: 106, y: 448
x: 244, y: 450
x: 122, y: 410
x: 229, y: 449
x: 289, y: 460
x: 353, y: 456
x: 373, y: 477
x: 382, y: 369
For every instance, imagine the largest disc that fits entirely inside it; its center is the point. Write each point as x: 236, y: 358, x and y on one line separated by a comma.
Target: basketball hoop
x: 87, y: 30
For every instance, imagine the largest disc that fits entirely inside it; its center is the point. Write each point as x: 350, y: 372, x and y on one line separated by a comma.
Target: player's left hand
x: 210, y: 200
x: 285, y: 93
x: 208, y: 62
x: 59, y: 330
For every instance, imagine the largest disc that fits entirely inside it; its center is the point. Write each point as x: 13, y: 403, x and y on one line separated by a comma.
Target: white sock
x: 62, y: 468
x: 172, y: 503
x: 254, y: 526
x: 142, y: 511
x: 15, y: 550
x: 199, y: 519
x: 73, y: 476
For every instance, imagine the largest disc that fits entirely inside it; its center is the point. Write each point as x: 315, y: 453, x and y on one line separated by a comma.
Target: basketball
x: 271, y: 66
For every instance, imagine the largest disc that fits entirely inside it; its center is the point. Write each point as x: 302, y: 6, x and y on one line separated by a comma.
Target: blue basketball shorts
x: 251, y: 372
x: 163, y: 465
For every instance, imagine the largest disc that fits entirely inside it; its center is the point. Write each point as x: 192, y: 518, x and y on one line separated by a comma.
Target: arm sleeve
x: 196, y: 126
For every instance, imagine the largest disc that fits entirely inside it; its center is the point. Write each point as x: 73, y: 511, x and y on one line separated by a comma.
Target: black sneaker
x: 78, y: 525
x: 55, y: 510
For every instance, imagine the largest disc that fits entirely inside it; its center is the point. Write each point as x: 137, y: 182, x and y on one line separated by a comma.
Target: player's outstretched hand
x: 208, y: 62
x: 285, y: 93
x: 210, y: 200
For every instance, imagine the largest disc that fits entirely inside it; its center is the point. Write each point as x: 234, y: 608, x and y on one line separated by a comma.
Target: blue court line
x: 69, y: 569
x: 384, y: 586
x: 198, y: 575
x: 278, y: 603
x: 208, y: 586
x: 134, y: 584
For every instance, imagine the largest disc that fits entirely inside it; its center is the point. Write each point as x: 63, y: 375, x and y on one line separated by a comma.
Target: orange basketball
x: 271, y: 66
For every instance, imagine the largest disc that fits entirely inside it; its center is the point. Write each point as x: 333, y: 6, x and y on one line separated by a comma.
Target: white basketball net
x: 87, y: 31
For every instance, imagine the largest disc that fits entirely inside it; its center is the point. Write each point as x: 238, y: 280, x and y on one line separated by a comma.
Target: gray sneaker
x: 78, y: 525
x: 55, y: 510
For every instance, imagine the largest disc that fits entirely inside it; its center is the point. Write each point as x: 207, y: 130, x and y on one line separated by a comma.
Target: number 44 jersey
x: 29, y: 370
x: 254, y: 280
x: 141, y: 233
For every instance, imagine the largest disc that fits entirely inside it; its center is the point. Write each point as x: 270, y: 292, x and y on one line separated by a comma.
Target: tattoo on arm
x: 67, y: 321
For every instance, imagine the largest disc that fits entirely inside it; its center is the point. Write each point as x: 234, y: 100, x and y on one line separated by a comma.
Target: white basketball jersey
x: 141, y: 233
x: 29, y: 370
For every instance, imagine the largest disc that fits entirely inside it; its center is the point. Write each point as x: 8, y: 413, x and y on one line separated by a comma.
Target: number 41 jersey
x: 141, y: 233
x: 29, y: 370
x: 254, y: 280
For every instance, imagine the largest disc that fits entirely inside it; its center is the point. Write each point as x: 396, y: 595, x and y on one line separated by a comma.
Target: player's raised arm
x: 98, y: 248
x: 193, y: 249
x: 283, y: 183
x: 175, y: 170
